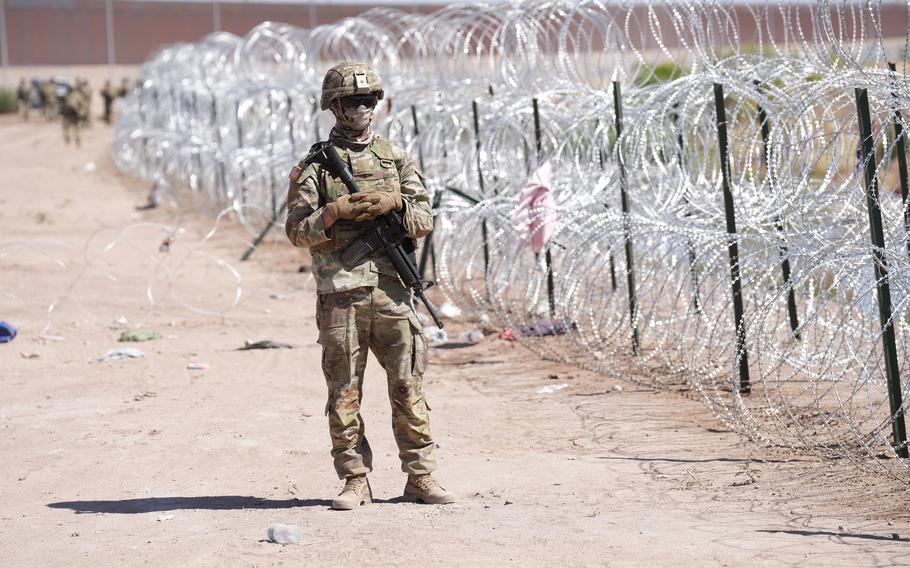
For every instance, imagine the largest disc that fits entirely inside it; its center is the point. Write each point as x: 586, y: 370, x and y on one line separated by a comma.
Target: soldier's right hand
x: 342, y: 208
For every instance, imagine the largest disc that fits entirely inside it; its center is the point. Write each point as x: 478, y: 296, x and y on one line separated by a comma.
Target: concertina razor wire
x: 639, y: 253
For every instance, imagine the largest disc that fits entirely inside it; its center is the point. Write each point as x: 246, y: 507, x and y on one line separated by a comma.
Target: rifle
x: 386, y: 233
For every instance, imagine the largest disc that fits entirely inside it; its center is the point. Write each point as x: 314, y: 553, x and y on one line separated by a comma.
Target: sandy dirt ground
x: 146, y: 462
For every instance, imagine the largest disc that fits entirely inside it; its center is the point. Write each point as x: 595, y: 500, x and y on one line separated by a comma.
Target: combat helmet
x: 346, y: 79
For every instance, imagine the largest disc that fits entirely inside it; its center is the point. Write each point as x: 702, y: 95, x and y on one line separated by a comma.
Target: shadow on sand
x: 214, y: 503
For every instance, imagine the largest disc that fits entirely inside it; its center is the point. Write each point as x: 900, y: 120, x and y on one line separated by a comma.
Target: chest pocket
x: 371, y: 172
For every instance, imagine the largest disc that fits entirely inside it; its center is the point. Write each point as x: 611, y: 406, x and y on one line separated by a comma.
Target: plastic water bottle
x: 474, y: 336
x: 284, y: 534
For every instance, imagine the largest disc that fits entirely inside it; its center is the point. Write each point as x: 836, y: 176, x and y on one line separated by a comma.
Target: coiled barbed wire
x: 483, y: 96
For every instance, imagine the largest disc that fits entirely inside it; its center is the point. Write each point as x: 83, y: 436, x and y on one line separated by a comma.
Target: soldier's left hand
x: 377, y: 203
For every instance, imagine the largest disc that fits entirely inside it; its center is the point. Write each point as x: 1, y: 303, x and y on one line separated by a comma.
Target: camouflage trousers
x: 71, y: 126
x: 380, y: 320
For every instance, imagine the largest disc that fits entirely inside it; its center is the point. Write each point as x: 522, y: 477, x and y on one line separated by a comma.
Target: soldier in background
x: 72, y: 110
x: 24, y: 96
x: 107, y: 95
x: 124, y: 89
x: 366, y: 308
x: 49, y: 102
x: 85, y: 101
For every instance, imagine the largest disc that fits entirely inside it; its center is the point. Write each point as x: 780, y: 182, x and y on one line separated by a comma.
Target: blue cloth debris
x: 7, y: 332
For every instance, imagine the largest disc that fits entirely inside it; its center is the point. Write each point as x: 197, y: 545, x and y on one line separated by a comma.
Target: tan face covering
x: 353, y: 126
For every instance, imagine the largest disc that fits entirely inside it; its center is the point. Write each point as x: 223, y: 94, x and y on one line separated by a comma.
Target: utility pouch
x: 369, y: 242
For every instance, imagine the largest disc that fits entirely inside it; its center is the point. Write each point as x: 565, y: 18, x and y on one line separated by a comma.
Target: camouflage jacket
x: 381, y: 166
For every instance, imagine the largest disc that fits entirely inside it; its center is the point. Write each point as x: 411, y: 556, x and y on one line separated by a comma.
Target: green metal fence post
x: 782, y: 250
x: 882, y: 285
x: 626, y: 222
x: 741, y: 352
x: 900, y: 141
x: 483, y: 224
x: 551, y: 296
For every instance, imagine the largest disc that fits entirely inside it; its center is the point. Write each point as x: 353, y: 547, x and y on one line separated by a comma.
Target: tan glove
x: 345, y: 208
x: 376, y: 203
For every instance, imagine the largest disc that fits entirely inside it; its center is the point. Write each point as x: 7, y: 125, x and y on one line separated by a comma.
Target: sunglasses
x: 355, y: 101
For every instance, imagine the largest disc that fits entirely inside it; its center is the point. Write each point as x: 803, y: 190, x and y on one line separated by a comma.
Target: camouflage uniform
x: 49, y: 99
x: 72, y: 110
x: 107, y: 94
x: 367, y: 307
x: 85, y: 102
x: 24, y: 96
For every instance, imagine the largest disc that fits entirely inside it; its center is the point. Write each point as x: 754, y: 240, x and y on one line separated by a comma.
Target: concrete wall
x: 73, y: 32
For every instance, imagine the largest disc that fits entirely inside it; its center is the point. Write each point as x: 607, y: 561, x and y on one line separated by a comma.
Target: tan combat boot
x: 356, y: 492
x: 424, y: 489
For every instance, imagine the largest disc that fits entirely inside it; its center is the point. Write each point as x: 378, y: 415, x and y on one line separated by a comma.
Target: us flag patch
x: 295, y: 173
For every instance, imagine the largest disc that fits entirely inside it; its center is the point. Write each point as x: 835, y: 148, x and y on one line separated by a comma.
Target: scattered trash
x: 139, y: 335
x: 7, y: 332
x: 617, y: 388
x: 535, y: 218
x: 196, y: 366
x: 435, y: 336
x: 89, y: 167
x: 304, y: 268
x: 29, y: 355
x: 450, y: 310
x: 165, y: 245
x: 751, y: 474
x: 541, y: 328
x: 119, y: 354
x: 552, y: 388
x: 281, y: 533
x: 121, y: 321
x: 474, y: 336
x: 264, y: 344
x: 486, y: 325
x: 507, y: 334
x: 164, y: 518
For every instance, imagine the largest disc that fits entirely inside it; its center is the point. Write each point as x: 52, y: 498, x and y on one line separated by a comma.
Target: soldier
x: 24, y: 95
x: 85, y: 100
x: 107, y: 94
x: 72, y: 112
x: 368, y: 307
x: 124, y: 89
x: 49, y: 98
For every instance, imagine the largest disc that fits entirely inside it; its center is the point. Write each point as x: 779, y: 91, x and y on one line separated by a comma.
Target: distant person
x: 24, y: 96
x: 125, y: 88
x: 85, y: 102
x: 49, y: 102
x: 72, y: 110
x: 107, y: 95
